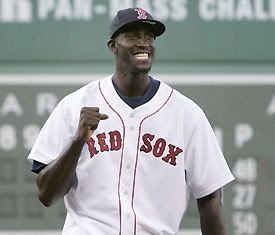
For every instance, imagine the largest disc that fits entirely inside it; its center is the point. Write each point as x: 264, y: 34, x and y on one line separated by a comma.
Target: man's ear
x: 112, y: 45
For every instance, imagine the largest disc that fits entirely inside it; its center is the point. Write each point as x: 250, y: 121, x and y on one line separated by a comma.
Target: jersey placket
x: 128, y: 174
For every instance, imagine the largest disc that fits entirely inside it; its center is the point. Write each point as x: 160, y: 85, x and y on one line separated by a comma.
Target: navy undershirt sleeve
x: 37, y: 166
x: 132, y: 102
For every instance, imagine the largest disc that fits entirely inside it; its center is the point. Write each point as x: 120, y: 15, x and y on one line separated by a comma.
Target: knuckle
x: 96, y: 109
x: 83, y: 109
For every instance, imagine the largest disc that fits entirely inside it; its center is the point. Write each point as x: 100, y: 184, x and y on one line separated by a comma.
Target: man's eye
x: 132, y: 37
x: 150, y: 37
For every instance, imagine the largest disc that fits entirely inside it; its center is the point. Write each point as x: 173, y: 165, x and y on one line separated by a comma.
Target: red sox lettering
x: 114, y: 145
x: 150, y: 145
x: 159, y: 148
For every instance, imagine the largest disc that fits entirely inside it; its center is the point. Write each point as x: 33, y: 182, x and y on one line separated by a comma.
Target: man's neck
x: 132, y: 84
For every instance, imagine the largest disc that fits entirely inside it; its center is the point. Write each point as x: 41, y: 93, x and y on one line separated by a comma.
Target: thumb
x: 103, y: 116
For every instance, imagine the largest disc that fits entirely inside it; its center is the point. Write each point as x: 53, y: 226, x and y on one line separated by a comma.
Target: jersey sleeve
x: 53, y: 137
x: 206, y: 168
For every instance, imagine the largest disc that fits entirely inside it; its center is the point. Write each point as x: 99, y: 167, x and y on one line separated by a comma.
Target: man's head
x: 132, y: 35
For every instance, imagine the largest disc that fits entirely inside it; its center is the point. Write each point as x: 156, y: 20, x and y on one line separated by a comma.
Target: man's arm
x: 211, y: 217
x: 56, y: 179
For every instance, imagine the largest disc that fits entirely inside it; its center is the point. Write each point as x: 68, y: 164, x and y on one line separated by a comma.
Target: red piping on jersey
x: 139, y: 132
x: 122, y: 150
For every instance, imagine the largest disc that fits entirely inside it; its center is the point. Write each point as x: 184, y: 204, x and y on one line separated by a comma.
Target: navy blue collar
x: 134, y: 102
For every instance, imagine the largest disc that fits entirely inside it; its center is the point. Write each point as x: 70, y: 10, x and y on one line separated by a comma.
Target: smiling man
x: 125, y: 152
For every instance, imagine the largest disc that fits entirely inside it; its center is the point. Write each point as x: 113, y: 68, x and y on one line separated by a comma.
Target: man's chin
x: 142, y: 69
x: 145, y: 70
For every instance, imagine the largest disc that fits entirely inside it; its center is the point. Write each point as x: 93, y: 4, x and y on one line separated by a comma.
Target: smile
x: 141, y: 56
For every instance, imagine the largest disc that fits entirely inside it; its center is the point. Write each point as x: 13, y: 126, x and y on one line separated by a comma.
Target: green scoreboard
x: 241, y: 111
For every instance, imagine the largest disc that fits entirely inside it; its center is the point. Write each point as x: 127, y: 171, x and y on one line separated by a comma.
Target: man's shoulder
x: 180, y: 99
x: 82, y: 91
x: 89, y: 90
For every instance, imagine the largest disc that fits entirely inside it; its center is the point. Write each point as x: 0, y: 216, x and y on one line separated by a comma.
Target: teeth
x: 142, y: 56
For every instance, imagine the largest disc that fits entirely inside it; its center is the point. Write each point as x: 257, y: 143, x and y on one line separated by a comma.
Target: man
x: 126, y: 151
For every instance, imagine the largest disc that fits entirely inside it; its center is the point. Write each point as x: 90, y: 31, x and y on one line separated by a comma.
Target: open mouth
x: 141, y: 55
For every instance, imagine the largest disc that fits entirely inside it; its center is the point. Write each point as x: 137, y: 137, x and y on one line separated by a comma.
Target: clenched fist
x: 88, y: 122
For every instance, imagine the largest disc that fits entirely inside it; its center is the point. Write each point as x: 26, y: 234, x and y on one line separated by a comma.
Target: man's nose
x: 143, y: 41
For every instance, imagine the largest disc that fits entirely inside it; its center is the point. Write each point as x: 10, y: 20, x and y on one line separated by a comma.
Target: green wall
x: 203, y: 36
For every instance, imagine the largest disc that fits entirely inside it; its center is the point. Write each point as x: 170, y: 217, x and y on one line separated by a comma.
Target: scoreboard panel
x: 242, y: 115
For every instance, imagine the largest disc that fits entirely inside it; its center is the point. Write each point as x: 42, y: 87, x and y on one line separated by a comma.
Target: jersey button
x: 125, y: 192
x: 132, y: 115
x: 128, y: 166
x: 132, y: 128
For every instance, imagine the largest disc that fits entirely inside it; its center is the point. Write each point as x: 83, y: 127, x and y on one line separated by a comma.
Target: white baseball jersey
x: 136, y: 173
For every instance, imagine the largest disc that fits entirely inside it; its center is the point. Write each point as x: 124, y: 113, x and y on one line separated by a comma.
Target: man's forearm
x: 212, y: 223
x: 211, y: 216
x: 55, y: 180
